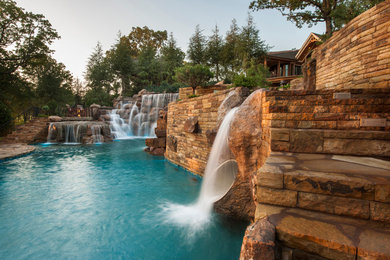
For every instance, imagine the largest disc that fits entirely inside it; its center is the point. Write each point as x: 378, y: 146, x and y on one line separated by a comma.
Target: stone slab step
x: 329, y: 236
x: 351, y: 142
x: 341, y: 185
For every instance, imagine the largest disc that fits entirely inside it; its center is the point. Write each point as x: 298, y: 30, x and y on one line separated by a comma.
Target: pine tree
x: 197, y: 47
x: 214, y: 51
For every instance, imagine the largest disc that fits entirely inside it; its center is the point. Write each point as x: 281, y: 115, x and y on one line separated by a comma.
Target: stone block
x: 373, y: 244
x: 280, y: 134
x: 334, y: 205
x: 380, y: 211
x: 155, y: 142
x: 279, y: 197
x: 306, y: 141
x: 357, y: 147
x: 160, y: 132
x: 259, y: 241
x: 329, y: 183
x: 382, y: 193
x: 317, y: 237
x: 191, y: 125
x: 270, y: 176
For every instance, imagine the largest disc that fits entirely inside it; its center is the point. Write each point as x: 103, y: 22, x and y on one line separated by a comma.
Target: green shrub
x: 255, y: 76
x: 193, y: 96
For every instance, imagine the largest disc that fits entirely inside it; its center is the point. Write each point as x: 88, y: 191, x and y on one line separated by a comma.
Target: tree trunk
x: 329, y: 27
x: 193, y: 90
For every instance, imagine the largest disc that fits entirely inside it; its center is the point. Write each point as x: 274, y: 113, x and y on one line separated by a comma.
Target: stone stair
x: 31, y: 132
x: 303, y: 234
x: 342, y: 185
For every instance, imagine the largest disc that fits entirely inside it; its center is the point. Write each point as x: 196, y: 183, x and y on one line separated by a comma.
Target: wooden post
x: 278, y: 70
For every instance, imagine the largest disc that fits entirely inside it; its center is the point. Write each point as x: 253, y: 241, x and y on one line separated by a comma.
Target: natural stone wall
x: 191, y: 149
x: 357, y: 56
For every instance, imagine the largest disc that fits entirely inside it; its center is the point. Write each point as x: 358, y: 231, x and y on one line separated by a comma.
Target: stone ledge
x: 341, y: 185
x: 8, y: 151
x: 329, y: 236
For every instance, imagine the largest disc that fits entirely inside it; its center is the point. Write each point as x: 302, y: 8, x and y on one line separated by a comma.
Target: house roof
x: 290, y: 54
x: 307, y: 46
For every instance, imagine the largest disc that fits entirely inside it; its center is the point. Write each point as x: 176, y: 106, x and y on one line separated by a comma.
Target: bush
x: 165, y: 88
x: 255, y: 76
x: 5, y: 119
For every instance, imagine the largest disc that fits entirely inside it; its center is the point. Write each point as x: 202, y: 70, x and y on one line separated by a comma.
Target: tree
x: 193, y: 75
x: 122, y: 63
x: 197, y: 47
x: 24, y: 43
x: 347, y: 10
x: 311, y: 12
x: 171, y: 58
x: 99, y: 77
x: 24, y: 37
x: 214, y: 51
x: 230, y: 51
x: 250, y: 47
x: 142, y: 38
x: 54, y: 86
x: 148, y: 70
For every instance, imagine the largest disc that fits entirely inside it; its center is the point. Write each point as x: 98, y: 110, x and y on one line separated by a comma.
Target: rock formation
x: 245, y: 144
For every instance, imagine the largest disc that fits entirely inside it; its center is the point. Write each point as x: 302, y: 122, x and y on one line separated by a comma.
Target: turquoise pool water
x: 103, y: 202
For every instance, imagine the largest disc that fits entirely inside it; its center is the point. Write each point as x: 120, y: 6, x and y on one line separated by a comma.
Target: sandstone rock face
x: 245, y: 144
x: 259, y: 241
x: 191, y: 125
x: 233, y: 99
x: 55, y: 119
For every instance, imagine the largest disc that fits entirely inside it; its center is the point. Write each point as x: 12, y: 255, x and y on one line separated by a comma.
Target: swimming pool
x: 103, y: 202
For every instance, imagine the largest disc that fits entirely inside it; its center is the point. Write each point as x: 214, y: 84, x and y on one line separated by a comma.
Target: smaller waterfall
x: 139, y: 119
x: 51, y: 133
x: 97, y: 134
x: 219, y: 176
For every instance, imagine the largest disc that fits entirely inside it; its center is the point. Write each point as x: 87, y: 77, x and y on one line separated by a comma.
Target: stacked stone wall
x: 315, y: 121
x: 191, y: 149
x: 357, y: 56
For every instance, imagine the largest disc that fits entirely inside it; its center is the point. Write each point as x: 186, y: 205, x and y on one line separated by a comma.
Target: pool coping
x: 9, y: 151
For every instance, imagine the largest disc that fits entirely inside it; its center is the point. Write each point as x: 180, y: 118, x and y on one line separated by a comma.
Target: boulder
x: 95, y: 111
x: 191, y: 125
x: 259, y: 241
x: 142, y: 92
x: 245, y: 144
x: 172, y: 143
x: 55, y: 119
x: 210, y: 135
x: 233, y: 99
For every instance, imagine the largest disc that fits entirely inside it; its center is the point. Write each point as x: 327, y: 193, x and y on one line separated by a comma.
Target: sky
x: 83, y: 23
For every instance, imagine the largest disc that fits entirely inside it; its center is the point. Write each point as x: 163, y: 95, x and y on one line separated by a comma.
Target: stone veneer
x: 191, y: 150
x: 358, y: 55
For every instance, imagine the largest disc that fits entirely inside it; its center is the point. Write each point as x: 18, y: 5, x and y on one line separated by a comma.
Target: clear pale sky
x: 82, y: 23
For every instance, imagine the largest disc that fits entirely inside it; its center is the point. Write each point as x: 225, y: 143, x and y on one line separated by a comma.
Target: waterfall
x: 139, y: 119
x: 69, y: 134
x: 51, y: 131
x: 97, y: 134
x: 219, y: 176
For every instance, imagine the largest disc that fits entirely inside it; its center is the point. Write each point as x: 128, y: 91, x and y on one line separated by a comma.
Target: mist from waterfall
x: 139, y: 119
x: 197, y: 216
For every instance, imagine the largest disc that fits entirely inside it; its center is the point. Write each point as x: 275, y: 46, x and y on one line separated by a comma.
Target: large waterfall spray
x: 139, y: 120
x: 219, y: 176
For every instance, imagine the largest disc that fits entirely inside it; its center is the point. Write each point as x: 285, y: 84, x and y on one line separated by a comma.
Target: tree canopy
x: 335, y: 13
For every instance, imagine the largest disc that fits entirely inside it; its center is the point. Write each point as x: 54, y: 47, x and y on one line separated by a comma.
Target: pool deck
x: 12, y: 150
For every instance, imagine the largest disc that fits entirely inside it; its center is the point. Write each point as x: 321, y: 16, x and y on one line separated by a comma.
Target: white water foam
x: 196, y: 217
